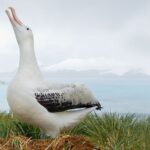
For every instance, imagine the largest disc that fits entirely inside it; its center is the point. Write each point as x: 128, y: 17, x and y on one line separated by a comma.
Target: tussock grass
x: 10, y: 125
x: 114, y: 131
x: 108, y: 131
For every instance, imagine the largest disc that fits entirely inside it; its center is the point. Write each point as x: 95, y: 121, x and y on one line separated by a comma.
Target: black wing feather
x: 55, y: 102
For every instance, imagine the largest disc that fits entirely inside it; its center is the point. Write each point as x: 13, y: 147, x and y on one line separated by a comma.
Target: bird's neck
x: 28, y: 66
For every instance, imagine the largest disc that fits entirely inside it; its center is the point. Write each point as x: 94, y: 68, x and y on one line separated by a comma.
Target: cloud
x: 80, y: 35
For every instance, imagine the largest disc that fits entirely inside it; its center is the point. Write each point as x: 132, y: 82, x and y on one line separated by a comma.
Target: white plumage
x: 34, y: 100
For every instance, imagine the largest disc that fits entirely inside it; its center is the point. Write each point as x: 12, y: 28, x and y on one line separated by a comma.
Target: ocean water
x: 119, y: 95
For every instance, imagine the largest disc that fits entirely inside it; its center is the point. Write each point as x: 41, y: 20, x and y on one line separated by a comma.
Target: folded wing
x: 65, y: 98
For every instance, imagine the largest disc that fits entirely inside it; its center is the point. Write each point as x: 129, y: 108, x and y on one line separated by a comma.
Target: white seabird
x: 35, y: 101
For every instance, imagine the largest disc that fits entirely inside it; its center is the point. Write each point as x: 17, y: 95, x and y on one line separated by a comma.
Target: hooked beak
x: 12, y: 16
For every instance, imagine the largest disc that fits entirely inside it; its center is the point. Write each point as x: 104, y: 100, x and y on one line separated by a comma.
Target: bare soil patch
x: 63, y: 142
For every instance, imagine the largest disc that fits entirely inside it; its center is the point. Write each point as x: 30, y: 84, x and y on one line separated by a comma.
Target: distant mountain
x: 2, y: 82
x: 71, y: 73
x: 94, y: 74
x: 7, y: 74
x: 84, y: 74
x: 135, y: 74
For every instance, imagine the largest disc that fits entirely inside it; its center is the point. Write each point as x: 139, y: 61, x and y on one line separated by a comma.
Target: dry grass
x: 63, y: 142
x: 107, y: 132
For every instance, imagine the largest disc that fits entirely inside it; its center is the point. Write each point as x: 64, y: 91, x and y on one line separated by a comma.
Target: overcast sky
x: 105, y: 35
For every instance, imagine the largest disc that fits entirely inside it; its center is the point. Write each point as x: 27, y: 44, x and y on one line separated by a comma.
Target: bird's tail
x: 70, y: 118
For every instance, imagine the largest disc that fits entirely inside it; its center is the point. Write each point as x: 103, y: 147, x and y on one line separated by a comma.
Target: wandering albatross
x: 51, y: 107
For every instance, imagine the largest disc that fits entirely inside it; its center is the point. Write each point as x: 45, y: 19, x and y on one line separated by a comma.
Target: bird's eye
x: 28, y: 29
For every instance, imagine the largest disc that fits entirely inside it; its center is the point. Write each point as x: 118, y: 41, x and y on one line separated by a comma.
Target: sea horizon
x: 116, y: 95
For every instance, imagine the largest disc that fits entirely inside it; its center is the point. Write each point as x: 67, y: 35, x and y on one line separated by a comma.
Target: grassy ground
x: 108, y: 132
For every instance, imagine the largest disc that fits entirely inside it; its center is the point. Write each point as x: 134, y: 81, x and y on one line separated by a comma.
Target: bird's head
x: 23, y: 33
